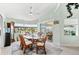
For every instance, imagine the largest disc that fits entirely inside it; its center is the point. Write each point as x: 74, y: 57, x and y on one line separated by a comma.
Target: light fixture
x: 31, y: 16
x: 30, y: 13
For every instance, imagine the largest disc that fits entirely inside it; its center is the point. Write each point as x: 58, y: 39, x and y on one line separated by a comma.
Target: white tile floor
x: 70, y: 51
x: 50, y: 48
x: 5, y: 51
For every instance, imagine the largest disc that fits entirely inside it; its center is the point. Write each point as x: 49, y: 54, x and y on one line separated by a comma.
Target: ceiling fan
x: 31, y: 11
x: 32, y: 15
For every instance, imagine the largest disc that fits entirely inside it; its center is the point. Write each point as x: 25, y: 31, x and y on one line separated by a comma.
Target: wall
x: 58, y: 28
x: 56, y: 35
x: 70, y: 40
x: 2, y: 37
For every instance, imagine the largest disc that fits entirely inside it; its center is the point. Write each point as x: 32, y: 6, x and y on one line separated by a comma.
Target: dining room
x: 38, y: 29
x: 29, y: 31
x: 37, y: 39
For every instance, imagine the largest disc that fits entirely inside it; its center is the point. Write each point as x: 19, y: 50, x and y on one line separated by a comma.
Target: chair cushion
x: 28, y: 42
x: 40, y: 44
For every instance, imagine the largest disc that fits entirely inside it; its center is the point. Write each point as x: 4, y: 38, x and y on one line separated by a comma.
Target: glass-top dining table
x: 32, y: 38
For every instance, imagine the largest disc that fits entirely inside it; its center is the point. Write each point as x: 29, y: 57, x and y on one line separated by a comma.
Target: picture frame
x: 56, y: 22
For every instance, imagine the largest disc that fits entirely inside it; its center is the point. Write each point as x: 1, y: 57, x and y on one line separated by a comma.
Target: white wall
x: 70, y: 40
x: 58, y: 28
x: 56, y: 35
x: 2, y: 37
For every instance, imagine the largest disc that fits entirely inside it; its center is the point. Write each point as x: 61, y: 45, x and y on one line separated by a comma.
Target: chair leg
x: 30, y: 47
x: 37, y: 50
x: 21, y: 47
x: 24, y: 50
x: 45, y: 50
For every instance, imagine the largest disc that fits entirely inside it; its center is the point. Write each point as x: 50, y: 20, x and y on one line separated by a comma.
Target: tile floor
x: 14, y: 49
x: 50, y: 48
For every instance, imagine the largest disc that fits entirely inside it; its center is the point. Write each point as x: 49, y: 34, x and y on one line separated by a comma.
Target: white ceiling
x: 21, y: 10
